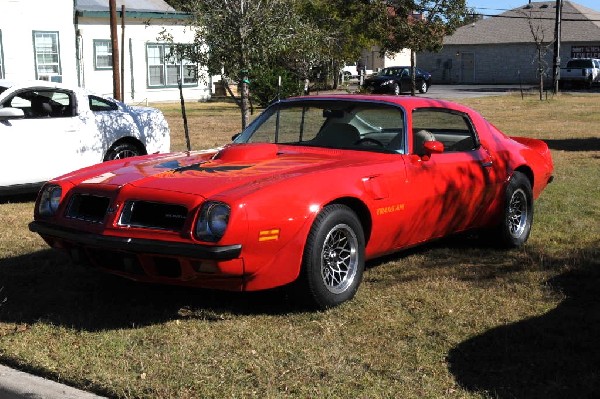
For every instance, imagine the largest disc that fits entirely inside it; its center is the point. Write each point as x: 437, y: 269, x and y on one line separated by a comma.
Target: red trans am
x: 313, y: 188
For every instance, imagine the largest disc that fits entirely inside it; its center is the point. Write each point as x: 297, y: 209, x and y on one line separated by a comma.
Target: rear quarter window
x: 98, y: 104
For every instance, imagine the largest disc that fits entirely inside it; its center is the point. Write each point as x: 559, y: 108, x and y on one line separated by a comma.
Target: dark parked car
x: 395, y: 80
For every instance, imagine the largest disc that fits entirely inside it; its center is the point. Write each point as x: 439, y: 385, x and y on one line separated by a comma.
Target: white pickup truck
x: 581, y: 71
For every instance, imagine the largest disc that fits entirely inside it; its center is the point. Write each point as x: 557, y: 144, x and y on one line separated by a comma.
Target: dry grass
x: 453, y: 319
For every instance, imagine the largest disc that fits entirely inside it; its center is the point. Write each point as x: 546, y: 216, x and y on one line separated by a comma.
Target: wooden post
x: 115, y: 50
x: 123, y: 52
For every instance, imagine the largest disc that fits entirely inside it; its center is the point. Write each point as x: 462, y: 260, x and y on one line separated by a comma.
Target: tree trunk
x: 541, y: 72
x: 245, y: 102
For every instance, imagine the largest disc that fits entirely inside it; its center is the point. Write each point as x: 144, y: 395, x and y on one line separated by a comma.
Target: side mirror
x: 432, y: 147
x: 235, y: 136
x: 11, y: 113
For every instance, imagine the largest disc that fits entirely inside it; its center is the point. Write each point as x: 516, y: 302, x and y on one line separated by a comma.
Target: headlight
x: 49, y: 200
x: 387, y: 82
x: 212, y: 222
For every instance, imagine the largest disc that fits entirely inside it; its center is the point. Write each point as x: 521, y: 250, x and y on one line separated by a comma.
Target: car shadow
x: 586, y: 144
x: 47, y: 286
x: 554, y: 355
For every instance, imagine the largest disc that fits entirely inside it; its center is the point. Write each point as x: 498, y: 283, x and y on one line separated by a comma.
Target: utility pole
x: 122, y: 53
x: 115, y: 50
x: 557, y: 39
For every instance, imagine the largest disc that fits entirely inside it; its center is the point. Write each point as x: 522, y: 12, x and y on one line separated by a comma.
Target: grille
x: 90, y: 208
x: 153, y: 215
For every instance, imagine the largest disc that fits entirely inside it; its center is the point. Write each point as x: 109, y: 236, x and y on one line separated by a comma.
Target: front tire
x: 123, y: 150
x: 396, y: 89
x: 424, y: 87
x: 518, y: 211
x: 334, y: 258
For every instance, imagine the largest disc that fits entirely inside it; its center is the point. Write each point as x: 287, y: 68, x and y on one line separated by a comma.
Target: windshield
x: 330, y: 124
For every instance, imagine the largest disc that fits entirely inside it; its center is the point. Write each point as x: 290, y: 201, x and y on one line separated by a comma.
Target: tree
x: 421, y: 25
x: 538, y: 29
x: 235, y: 38
x: 346, y: 28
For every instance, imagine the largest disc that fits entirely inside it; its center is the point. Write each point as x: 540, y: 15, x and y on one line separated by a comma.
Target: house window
x: 165, y: 69
x: 102, y: 54
x: 47, y: 54
x: 1, y: 58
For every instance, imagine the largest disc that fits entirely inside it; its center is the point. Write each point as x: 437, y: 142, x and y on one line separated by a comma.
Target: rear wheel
x: 518, y: 211
x: 123, y: 150
x: 333, y: 261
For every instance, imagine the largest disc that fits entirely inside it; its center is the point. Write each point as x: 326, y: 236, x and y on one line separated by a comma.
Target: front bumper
x: 138, y: 245
x: 153, y: 261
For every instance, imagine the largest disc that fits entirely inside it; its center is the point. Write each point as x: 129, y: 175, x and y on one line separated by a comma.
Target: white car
x: 49, y: 129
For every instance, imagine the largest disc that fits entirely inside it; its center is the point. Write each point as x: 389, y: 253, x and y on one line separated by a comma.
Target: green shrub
x: 264, y: 85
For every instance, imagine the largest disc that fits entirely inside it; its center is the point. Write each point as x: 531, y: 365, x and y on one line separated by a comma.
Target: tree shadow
x: 47, y: 286
x: 555, y: 355
x: 28, y: 196
x: 586, y: 144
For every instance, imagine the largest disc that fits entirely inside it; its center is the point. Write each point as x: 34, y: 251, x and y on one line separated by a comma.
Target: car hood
x: 211, y: 172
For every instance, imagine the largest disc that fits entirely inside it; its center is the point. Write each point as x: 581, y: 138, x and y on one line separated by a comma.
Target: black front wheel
x: 424, y: 87
x: 334, y: 258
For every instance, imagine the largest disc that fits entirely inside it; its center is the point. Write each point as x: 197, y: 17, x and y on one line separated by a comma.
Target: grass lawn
x: 451, y: 319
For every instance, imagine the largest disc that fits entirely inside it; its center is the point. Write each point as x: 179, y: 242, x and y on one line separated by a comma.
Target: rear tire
x: 517, y: 217
x: 334, y: 258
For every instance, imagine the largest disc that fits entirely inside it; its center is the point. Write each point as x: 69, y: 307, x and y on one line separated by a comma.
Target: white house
x: 37, y: 40
x: 69, y: 41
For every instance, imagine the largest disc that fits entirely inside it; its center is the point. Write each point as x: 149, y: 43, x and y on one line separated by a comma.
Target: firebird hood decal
x: 207, y: 173
x: 197, y: 167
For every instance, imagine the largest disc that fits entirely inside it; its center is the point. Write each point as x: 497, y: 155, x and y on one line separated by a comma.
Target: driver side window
x: 452, y: 128
x: 42, y: 104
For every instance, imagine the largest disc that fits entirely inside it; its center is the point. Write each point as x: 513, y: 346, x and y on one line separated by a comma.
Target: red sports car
x: 309, y: 191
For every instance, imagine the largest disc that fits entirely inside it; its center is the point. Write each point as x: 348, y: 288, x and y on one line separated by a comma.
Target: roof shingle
x: 579, y: 24
x: 130, y: 5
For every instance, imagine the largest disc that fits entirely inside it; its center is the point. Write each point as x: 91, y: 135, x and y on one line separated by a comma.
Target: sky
x: 497, y: 7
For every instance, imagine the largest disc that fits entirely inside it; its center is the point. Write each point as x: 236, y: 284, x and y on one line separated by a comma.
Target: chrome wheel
x: 517, y: 216
x: 123, y: 150
x: 517, y: 213
x: 334, y: 258
x: 125, y: 154
x: 339, y: 258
